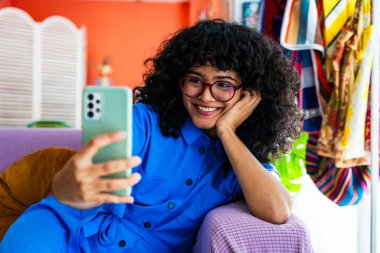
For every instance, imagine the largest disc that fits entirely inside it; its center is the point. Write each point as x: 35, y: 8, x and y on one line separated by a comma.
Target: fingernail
x: 120, y: 134
x: 138, y: 159
x: 138, y: 175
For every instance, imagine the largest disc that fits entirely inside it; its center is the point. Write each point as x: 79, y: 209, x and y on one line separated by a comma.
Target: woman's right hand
x: 79, y: 183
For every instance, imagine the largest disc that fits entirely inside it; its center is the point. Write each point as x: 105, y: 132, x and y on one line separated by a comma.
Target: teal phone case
x: 109, y: 109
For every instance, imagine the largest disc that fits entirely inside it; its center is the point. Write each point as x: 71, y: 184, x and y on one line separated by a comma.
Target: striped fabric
x: 302, y: 32
x: 308, y: 98
x: 300, y: 29
x: 343, y: 186
x: 337, y: 14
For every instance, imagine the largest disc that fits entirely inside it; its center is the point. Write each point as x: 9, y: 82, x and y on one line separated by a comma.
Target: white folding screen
x: 62, y: 70
x: 16, y: 68
x: 42, y: 69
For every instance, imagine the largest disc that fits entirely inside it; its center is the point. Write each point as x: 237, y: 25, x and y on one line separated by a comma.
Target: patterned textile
x: 231, y: 228
x: 343, y: 186
x: 302, y: 33
x: 308, y: 98
x: 344, y: 122
x: 368, y: 124
x: 341, y: 83
x: 333, y: 120
x: 353, y: 140
x: 300, y: 27
x: 337, y: 14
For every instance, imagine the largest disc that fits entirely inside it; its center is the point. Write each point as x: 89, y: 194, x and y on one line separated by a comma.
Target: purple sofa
x: 229, y: 228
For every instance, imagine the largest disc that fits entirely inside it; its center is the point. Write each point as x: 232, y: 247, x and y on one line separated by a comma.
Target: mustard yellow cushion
x: 28, y: 181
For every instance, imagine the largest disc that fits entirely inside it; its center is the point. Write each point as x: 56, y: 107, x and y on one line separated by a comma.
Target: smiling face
x: 205, y: 110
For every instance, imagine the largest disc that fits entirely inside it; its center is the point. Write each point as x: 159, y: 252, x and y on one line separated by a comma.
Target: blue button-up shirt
x: 182, y: 179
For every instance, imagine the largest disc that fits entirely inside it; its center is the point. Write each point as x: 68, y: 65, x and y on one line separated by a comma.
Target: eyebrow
x: 217, y: 77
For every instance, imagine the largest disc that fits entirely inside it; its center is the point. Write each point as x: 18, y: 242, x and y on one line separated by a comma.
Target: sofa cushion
x: 27, y: 181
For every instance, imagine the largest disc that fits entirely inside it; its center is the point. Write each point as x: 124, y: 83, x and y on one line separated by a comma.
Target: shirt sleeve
x: 141, y: 131
x: 270, y: 167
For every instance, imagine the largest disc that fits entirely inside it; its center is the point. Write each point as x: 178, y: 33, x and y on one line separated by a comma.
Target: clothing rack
x: 375, y: 123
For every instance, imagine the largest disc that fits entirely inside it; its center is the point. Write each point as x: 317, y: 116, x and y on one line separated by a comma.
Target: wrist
x: 225, y: 131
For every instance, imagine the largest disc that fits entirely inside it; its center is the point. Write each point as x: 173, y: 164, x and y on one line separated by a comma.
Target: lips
x: 205, y: 110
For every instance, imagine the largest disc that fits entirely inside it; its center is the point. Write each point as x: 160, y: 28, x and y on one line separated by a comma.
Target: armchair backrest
x: 18, y: 142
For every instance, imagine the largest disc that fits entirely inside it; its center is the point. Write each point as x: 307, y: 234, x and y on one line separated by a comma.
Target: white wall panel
x: 42, y: 69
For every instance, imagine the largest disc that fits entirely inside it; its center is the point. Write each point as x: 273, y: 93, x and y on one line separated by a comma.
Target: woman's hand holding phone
x: 80, y: 183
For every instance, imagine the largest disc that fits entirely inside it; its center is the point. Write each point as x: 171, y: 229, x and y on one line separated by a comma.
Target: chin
x: 204, y: 125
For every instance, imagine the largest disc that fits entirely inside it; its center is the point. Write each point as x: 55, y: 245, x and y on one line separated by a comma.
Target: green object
x: 292, y: 166
x: 105, y: 110
x: 49, y: 124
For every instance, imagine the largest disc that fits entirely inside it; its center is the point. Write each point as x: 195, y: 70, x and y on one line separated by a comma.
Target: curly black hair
x: 275, y: 123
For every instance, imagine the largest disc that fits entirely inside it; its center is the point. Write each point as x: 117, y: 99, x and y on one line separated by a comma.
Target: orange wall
x: 214, y: 9
x: 5, y: 3
x: 195, y: 8
x: 126, y: 32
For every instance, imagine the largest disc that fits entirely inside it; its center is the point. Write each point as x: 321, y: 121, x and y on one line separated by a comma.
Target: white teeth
x: 206, y: 109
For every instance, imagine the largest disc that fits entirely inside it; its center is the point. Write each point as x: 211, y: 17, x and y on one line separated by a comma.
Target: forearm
x: 266, y: 197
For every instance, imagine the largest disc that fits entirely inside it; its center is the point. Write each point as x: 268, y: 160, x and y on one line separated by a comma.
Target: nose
x: 206, y: 94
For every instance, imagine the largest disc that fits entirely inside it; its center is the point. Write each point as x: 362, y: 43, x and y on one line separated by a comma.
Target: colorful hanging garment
x: 308, y: 98
x: 302, y: 30
x: 368, y: 124
x: 353, y: 139
x: 348, y: 105
x: 345, y: 48
x: 333, y: 120
x: 343, y: 186
x: 337, y: 14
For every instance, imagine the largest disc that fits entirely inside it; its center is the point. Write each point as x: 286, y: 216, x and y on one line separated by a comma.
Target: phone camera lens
x: 90, y: 114
x: 90, y: 105
x: 90, y: 97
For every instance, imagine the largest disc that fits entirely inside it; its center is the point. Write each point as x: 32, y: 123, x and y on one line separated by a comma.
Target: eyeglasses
x: 222, y: 91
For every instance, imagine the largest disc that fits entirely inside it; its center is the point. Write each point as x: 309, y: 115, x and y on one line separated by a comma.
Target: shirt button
x: 201, y: 150
x: 122, y: 243
x: 189, y: 181
x: 147, y: 224
x: 171, y: 205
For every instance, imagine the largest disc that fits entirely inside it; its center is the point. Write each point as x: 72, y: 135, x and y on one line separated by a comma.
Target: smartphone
x: 109, y: 109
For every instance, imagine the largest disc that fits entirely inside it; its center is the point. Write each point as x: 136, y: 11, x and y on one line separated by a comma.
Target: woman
x: 219, y: 100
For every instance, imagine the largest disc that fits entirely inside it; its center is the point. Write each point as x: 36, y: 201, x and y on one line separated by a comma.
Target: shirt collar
x: 191, y: 133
